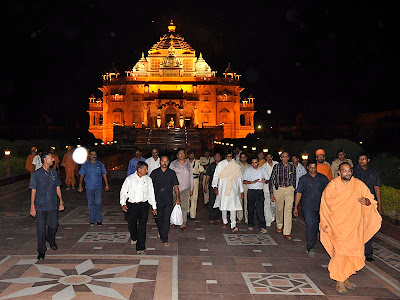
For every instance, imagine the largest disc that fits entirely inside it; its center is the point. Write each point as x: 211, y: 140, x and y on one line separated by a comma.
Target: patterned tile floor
x: 203, y: 262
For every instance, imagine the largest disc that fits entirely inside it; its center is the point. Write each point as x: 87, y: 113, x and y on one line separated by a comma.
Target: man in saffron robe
x: 29, y: 161
x: 69, y: 165
x: 349, y: 219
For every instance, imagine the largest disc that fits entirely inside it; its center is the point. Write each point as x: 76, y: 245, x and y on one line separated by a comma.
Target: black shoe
x: 54, y: 246
x: 99, y: 223
x: 370, y: 259
x: 41, y: 255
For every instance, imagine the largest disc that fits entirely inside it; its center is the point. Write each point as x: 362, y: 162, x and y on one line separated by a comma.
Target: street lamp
x: 244, y: 147
x: 254, y: 148
x: 259, y: 127
x: 265, y: 150
x: 7, y: 154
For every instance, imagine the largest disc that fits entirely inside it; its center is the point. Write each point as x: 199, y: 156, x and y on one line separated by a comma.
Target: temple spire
x: 171, y: 27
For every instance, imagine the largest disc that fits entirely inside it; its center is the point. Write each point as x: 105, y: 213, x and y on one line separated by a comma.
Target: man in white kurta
x: 228, y: 186
x: 269, y: 207
x: 153, y: 161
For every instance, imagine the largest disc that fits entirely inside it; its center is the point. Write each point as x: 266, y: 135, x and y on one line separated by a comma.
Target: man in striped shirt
x: 281, y: 187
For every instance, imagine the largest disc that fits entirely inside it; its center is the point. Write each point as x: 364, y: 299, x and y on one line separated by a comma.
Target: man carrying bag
x: 164, y: 182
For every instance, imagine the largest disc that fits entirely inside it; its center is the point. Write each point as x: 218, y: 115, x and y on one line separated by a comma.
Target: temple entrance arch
x: 171, y: 117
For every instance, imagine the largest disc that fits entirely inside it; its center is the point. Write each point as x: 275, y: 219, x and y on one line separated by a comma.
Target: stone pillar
x: 145, y: 111
x: 195, y: 121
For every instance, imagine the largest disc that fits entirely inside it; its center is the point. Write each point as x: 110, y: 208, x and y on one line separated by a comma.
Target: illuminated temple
x: 171, y: 88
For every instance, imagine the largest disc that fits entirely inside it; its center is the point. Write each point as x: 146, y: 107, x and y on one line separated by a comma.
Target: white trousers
x: 225, y: 217
x: 269, y: 208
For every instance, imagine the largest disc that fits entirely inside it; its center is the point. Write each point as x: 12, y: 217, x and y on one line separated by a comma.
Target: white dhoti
x: 269, y: 207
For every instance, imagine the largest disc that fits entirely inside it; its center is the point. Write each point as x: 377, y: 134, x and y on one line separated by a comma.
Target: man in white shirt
x: 269, y: 207
x: 37, y: 161
x: 136, y: 194
x: 255, y: 178
x: 154, y: 161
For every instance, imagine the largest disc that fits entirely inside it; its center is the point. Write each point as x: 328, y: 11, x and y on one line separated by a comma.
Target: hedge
x: 390, y: 198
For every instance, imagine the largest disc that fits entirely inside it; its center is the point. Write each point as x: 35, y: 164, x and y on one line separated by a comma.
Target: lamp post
x: 7, y: 154
x: 304, y: 158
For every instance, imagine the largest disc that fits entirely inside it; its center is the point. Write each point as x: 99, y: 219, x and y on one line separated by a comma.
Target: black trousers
x: 312, y: 222
x: 368, y: 249
x: 46, y: 225
x: 255, y: 202
x: 213, y: 213
x: 137, y: 216
x: 163, y: 220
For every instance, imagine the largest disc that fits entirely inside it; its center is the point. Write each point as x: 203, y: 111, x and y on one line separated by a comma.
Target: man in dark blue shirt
x: 214, y: 214
x: 164, y: 182
x: 370, y: 177
x: 94, y: 171
x: 309, y: 191
x: 45, y: 187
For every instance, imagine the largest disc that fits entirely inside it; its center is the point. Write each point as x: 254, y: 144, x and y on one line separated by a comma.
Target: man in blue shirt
x: 133, y: 162
x: 310, y: 191
x: 93, y: 171
x: 45, y: 187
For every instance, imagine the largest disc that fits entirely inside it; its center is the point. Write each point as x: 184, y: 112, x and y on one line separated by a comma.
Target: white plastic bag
x: 176, y: 215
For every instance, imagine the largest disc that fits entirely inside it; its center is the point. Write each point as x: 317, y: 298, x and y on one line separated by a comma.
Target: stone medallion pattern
x: 280, y: 284
x: 76, y: 278
x: 249, y: 239
x: 105, y: 237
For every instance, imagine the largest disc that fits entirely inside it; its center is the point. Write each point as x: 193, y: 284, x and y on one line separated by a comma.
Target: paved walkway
x: 204, y: 262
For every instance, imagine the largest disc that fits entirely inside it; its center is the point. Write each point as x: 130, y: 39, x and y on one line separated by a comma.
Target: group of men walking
x: 333, y: 201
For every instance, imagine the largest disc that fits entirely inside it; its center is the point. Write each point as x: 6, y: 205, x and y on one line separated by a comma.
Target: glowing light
x: 80, y: 155
x: 304, y: 156
x: 259, y: 126
x: 7, y: 152
x: 280, y: 152
x: 265, y: 150
x: 52, y: 147
x: 223, y: 143
x: 158, y: 121
x: 269, y: 111
x: 115, y: 142
x: 254, y: 148
x: 244, y: 147
x: 231, y: 145
x: 78, y: 146
x: 360, y: 143
x: 96, y: 144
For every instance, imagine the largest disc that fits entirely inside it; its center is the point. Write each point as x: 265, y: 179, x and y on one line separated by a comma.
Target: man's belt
x: 196, y: 176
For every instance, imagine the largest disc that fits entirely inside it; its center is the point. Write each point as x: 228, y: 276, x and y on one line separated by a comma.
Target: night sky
x: 328, y: 60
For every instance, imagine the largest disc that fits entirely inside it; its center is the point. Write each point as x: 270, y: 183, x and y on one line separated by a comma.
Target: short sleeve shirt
x: 370, y: 177
x: 93, y: 174
x: 163, y: 183
x: 311, y: 189
x: 252, y: 174
x: 45, y: 183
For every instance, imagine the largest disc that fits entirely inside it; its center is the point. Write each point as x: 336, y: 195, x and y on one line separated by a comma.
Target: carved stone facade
x: 171, y: 87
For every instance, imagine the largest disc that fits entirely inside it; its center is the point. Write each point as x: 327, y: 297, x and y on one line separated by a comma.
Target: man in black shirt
x: 370, y: 177
x: 45, y: 187
x: 213, y: 213
x: 310, y: 190
x: 164, y: 181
